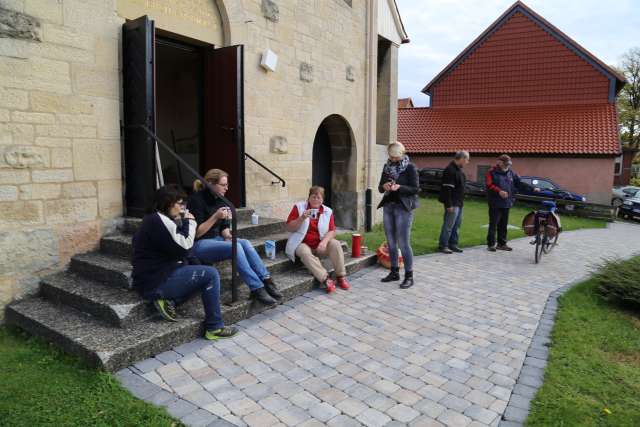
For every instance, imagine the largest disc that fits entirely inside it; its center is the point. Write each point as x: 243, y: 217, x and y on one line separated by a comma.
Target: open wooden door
x: 223, y: 146
x: 138, y: 72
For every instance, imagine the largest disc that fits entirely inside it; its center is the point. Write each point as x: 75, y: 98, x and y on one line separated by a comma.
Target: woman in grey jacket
x: 400, y: 185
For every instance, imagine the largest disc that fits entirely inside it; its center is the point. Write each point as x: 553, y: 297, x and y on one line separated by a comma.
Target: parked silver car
x: 620, y: 194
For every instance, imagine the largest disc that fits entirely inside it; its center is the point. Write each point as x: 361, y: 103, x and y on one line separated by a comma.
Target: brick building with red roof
x: 523, y: 88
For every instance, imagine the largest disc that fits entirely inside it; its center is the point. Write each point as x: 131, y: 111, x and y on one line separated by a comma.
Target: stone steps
x: 90, y: 311
x: 82, y: 322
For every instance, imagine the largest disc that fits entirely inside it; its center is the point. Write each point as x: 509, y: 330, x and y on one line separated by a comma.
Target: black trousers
x: 498, y: 221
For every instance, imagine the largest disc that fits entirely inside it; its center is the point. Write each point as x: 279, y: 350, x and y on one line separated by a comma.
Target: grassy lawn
x: 41, y: 386
x: 428, y: 220
x: 594, y: 364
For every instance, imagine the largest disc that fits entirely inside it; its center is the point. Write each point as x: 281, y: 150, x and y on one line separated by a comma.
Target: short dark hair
x: 165, y: 197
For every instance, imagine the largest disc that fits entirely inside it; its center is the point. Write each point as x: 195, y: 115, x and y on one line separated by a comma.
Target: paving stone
x: 323, y: 411
x: 351, y: 407
x: 379, y: 402
x: 148, y: 365
x: 274, y: 403
x: 199, y: 418
x: 180, y: 408
x: 304, y: 399
x: 293, y: 415
x: 515, y: 414
x: 481, y: 414
x: 260, y: 419
x: 455, y: 403
x: 373, y: 418
x: 453, y: 418
x: 343, y: 421
x: 402, y: 413
x: 242, y: 407
x: 520, y: 402
x: 425, y: 421
x: 479, y: 398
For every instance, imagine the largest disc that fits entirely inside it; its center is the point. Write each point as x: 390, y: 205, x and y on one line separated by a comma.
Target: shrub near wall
x: 619, y: 282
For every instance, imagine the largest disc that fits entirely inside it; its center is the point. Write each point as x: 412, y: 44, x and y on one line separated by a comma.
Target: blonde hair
x: 212, y: 175
x: 396, y: 149
x: 316, y: 189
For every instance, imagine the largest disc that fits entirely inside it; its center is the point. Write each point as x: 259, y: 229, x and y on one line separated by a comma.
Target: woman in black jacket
x: 400, y: 185
x: 160, y: 273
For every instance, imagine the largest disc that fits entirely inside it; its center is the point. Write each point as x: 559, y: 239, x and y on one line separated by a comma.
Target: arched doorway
x: 334, y: 168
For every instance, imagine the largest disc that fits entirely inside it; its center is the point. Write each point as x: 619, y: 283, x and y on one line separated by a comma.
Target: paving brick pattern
x: 457, y: 349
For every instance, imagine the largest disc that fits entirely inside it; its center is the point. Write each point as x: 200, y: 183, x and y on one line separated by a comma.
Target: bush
x: 619, y: 282
x: 635, y: 181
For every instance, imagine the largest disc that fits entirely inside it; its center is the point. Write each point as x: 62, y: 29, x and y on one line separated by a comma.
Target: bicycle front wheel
x: 539, y: 246
x: 550, y: 242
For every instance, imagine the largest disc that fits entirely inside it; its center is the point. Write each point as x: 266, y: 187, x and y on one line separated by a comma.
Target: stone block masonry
x: 60, y: 161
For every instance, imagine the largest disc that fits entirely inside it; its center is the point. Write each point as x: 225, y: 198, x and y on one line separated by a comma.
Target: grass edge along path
x: 40, y: 385
x: 427, y: 221
x: 593, y: 373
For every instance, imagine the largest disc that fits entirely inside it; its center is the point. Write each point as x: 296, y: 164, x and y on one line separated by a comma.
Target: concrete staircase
x: 90, y: 310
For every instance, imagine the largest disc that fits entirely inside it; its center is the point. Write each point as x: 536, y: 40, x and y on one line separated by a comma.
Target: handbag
x: 383, y: 256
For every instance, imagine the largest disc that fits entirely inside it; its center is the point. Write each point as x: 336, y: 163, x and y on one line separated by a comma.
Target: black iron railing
x: 280, y: 179
x: 234, y: 221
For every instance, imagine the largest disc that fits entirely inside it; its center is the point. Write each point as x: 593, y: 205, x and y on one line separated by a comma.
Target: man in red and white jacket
x: 313, y: 233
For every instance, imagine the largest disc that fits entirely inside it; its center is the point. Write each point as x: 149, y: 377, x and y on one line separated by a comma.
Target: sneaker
x: 262, y: 296
x: 271, y: 288
x: 343, y: 283
x: 445, y: 250
x: 224, y: 332
x: 504, y: 248
x: 329, y: 285
x: 491, y: 248
x: 166, y: 308
x: 456, y: 249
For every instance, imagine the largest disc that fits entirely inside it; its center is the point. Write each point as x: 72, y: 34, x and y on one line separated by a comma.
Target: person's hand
x: 536, y: 190
x: 450, y: 209
x: 394, y: 187
x: 189, y: 215
x: 322, y: 246
x: 220, y: 214
x: 306, y: 214
x: 226, y: 234
x: 387, y: 186
x: 503, y: 194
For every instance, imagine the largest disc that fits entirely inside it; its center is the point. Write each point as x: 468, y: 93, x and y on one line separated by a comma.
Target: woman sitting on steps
x: 213, y: 237
x: 160, y: 273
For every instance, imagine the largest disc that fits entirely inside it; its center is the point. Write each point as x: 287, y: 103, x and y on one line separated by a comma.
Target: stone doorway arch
x: 334, y: 167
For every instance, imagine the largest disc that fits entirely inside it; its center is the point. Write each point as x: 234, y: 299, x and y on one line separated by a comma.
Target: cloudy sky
x: 440, y: 29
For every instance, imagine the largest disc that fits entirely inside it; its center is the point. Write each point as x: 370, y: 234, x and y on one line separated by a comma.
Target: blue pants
x: 250, y: 266
x: 450, y: 225
x: 397, y: 227
x: 186, y: 280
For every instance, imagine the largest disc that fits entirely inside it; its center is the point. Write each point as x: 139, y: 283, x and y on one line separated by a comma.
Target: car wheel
x: 616, y: 203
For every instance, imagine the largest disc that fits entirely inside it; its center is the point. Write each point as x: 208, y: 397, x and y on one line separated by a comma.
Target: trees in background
x: 629, y: 99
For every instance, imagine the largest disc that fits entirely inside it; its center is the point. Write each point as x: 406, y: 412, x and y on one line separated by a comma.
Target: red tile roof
x: 519, y: 59
x: 560, y: 129
x: 405, y: 103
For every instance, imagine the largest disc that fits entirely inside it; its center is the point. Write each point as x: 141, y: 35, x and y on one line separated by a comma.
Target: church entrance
x: 190, y: 95
x: 334, y: 168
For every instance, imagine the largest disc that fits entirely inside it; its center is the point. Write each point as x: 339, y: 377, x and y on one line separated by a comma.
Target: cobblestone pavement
x: 445, y: 352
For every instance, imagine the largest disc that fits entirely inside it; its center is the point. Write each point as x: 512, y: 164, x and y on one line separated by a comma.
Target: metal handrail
x: 280, y: 179
x: 234, y: 221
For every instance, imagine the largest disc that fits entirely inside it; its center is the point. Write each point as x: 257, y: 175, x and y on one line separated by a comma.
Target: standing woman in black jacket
x: 399, y: 183
x: 160, y: 273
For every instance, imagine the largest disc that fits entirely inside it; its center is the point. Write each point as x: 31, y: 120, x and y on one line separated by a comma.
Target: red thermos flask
x: 356, y: 241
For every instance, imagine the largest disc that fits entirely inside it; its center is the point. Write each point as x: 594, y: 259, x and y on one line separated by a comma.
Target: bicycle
x: 547, y: 229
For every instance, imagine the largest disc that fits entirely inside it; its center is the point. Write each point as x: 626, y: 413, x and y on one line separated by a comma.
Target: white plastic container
x: 270, y: 249
x: 255, y: 218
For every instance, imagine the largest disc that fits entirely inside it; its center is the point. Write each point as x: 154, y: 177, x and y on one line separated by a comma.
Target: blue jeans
x: 397, y: 227
x: 250, y: 266
x: 186, y: 280
x: 450, y: 225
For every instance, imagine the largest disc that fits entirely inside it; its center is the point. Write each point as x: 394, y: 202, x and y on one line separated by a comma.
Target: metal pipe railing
x: 280, y: 179
x: 234, y: 217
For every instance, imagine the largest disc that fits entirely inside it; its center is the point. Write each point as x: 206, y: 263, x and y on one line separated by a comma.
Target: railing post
x: 234, y: 219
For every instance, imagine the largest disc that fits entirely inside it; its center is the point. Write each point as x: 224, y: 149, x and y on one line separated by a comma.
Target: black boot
x: 271, y: 288
x: 408, y: 280
x: 261, y: 295
x: 393, y: 275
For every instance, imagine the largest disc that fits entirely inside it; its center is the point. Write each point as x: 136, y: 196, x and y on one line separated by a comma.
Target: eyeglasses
x: 221, y: 185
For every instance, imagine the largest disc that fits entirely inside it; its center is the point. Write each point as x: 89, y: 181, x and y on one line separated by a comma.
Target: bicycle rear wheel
x: 539, y: 246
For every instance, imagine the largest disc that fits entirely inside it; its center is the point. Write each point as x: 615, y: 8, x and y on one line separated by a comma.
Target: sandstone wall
x: 60, y: 179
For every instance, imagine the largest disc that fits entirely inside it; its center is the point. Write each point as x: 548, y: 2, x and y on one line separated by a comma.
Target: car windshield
x: 545, y: 185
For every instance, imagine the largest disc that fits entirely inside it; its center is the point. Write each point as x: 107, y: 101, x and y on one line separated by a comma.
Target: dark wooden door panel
x: 223, y: 146
x: 138, y: 73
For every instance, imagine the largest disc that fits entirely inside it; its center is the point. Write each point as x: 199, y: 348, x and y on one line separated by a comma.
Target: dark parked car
x: 549, y: 189
x: 431, y: 181
x: 630, y: 208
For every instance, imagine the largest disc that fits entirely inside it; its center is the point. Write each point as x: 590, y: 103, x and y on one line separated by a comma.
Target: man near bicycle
x: 502, y: 183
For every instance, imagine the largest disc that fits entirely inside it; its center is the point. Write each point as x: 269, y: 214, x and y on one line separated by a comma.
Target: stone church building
x: 282, y: 94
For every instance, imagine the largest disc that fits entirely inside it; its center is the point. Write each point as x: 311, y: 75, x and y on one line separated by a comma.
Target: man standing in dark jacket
x: 502, y: 183
x: 452, y: 196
